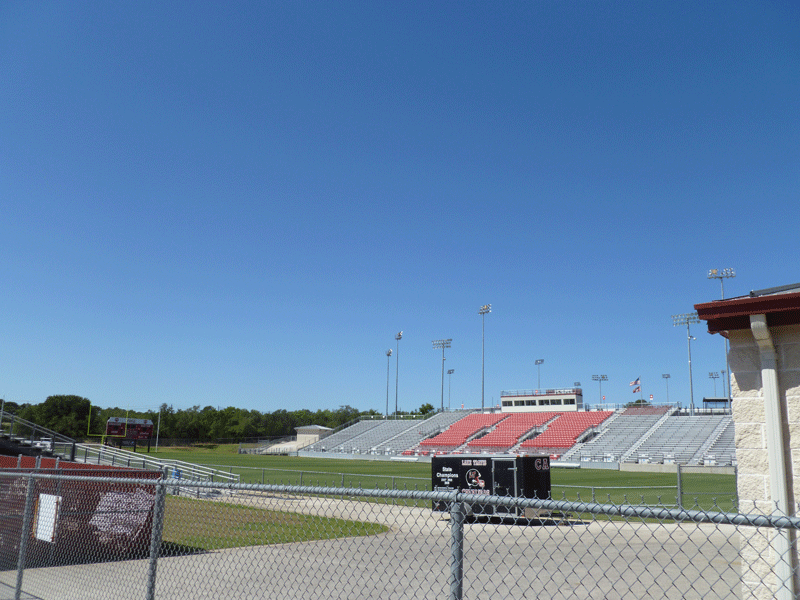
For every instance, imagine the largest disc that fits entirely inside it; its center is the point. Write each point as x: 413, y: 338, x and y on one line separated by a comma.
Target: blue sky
x: 240, y: 204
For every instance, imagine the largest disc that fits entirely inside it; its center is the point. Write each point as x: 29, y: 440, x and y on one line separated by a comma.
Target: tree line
x: 76, y: 417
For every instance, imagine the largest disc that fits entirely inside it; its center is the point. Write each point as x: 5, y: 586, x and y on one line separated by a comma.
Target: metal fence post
x: 456, y: 549
x: 27, y: 518
x: 155, y: 538
x: 679, y: 491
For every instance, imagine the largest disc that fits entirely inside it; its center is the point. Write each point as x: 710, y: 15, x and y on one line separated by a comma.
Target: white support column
x: 779, y: 473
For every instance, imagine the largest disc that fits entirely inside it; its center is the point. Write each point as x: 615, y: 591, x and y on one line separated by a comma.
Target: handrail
x: 15, y: 420
x: 115, y: 456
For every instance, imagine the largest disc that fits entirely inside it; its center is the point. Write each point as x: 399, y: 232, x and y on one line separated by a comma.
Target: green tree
x: 639, y: 402
x: 65, y: 414
x: 426, y: 408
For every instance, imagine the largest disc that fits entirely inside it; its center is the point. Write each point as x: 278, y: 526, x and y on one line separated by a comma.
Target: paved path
x: 598, y: 559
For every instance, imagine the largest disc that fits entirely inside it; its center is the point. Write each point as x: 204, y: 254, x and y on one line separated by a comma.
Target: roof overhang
x: 728, y: 315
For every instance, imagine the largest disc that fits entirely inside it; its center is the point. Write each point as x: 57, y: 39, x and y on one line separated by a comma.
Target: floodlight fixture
x: 721, y: 274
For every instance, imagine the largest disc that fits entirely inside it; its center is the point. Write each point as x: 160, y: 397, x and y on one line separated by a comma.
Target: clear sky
x: 240, y: 203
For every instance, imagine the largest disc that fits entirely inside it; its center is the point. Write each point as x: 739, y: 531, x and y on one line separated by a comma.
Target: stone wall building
x: 764, y: 333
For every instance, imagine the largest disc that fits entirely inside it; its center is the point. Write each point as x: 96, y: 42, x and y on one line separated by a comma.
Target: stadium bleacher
x: 678, y: 439
x: 417, y: 431
x: 508, y: 432
x: 648, y: 434
x: 565, y: 430
x: 461, y: 431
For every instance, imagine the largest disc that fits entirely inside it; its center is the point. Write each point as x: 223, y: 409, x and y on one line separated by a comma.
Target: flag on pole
x: 635, y: 381
x: 636, y: 389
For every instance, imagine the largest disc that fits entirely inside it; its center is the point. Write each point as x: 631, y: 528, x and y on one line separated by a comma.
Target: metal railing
x: 135, y: 540
x: 98, y: 454
x: 28, y: 434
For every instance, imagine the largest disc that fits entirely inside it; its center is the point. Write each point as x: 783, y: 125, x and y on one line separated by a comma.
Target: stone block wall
x: 753, y: 481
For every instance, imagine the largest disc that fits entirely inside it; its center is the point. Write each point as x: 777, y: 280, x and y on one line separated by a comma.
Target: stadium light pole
x: 600, y: 379
x: 727, y: 396
x: 538, y: 364
x: 388, y: 359
x: 449, y: 385
x: 158, y: 429
x: 442, y: 344
x: 687, y: 319
x: 722, y: 275
x: 486, y: 308
x: 398, y: 337
x: 714, y: 375
x: 666, y: 380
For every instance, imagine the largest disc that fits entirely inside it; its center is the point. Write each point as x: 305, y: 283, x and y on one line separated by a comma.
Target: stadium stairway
x: 712, y: 439
x: 574, y: 453
x: 643, y: 439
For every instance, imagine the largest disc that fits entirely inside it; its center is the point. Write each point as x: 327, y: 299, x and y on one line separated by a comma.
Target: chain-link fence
x: 86, y: 537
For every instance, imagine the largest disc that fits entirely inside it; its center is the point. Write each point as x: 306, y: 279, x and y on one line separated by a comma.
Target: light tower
x: 449, y: 385
x: 388, y: 359
x: 486, y: 308
x: 398, y: 337
x: 722, y: 275
x: 714, y: 375
x: 538, y: 364
x: 442, y: 344
x: 600, y: 379
x: 687, y: 319
x: 666, y: 380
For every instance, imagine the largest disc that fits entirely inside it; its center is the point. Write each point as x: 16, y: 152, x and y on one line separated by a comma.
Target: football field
x: 705, y: 491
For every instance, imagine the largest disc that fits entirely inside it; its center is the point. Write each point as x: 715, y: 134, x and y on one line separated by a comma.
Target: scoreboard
x: 130, y: 429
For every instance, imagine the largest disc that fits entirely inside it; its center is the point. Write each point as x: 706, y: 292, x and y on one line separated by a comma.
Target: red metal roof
x: 781, y: 308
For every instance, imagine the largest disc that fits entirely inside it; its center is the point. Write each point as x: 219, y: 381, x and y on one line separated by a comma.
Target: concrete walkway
x: 582, y: 560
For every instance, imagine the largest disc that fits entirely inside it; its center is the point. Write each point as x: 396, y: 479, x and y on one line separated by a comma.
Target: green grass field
x: 197, y: 525
x: 704, y: 491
